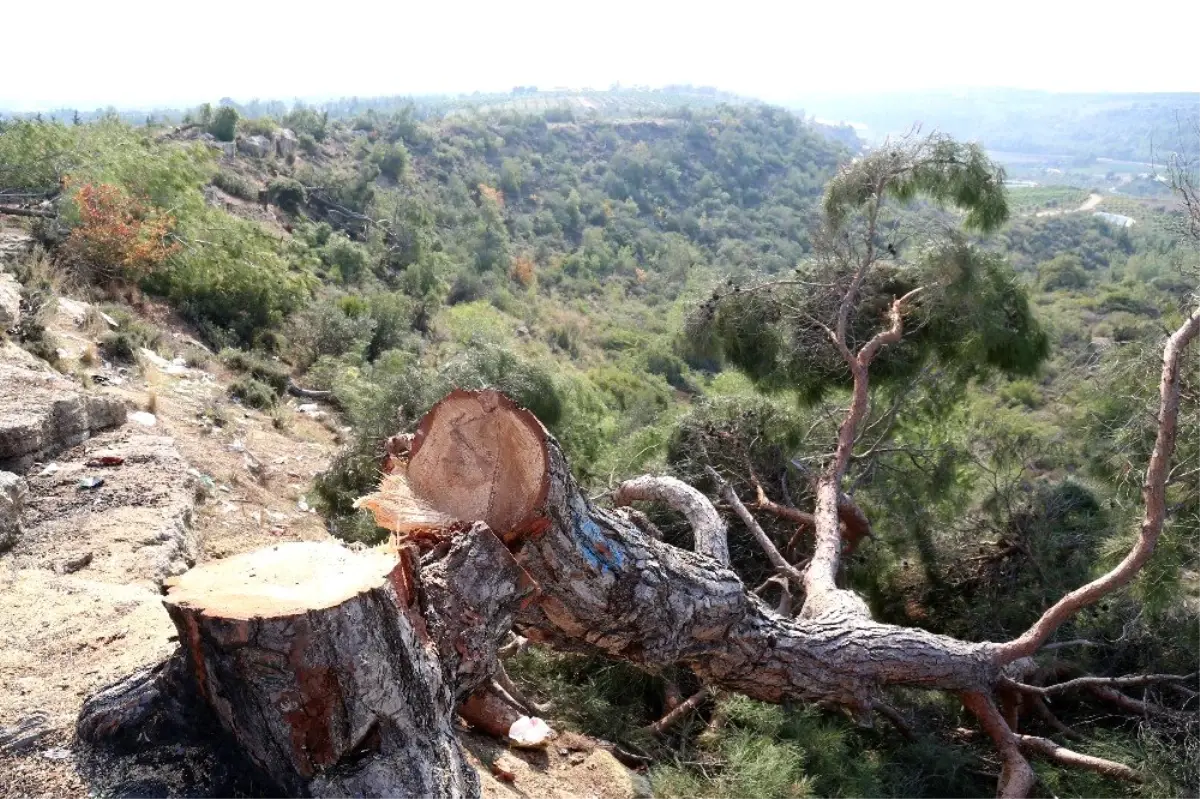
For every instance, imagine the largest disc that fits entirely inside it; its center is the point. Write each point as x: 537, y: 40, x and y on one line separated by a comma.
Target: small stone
x: 72, y: 565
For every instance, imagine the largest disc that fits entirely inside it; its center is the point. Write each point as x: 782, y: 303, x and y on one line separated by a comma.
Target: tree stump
x: 335, y: 672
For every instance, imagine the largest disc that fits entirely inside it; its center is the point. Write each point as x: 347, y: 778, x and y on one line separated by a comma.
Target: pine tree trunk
x: 604, y: 585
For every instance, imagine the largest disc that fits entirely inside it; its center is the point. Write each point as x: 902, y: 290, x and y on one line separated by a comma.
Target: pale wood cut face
x: 283, y: 580
x: 479, y: 457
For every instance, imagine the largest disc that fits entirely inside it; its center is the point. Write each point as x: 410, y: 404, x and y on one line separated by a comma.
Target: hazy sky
x: 136, y: 53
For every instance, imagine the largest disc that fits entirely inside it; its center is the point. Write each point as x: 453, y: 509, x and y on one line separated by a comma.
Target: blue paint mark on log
x: 597, y: 549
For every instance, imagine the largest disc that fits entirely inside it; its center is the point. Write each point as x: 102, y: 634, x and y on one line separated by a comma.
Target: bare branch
x: 1016, y: 776
x: 683, y: 709
x: 777, y: 560
x: 712, y: 537
x: 1066, y: 757
x: 1113, y: 682
x: 31, y: 212
x: 1153, y: 499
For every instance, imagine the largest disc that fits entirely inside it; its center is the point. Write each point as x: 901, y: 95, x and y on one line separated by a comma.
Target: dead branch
x: 38, y: 213
x: 897, y: 720
x: 1066, y: 757
x: 768, y: 546
x: 1113, y: 682
x: 685, y: 707
x: 708, y: 527
x: 1043, y: 712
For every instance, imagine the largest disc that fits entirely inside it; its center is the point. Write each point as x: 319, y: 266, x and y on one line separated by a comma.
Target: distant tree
x: 1064, y: 271
x: 224, y: 123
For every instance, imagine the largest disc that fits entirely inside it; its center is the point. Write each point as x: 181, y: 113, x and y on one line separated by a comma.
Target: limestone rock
x: 10, y: 301
x: 256, y: 146
x: 286, y: 142
x: 41, y: 412
x: 14, y: 244
x: 13, y: 492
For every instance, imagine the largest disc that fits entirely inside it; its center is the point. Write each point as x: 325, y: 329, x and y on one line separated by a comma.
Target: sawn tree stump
x: 336, y: 672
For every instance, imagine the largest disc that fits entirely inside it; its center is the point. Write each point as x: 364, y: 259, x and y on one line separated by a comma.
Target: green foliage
x: 287, y: 193
x: 239, y: 284
x: 392, y: 159
x: 935, y: 167
x: 235, y: 185
x: 224, y: 123
x: 256, y: 365
x: 976, y: 319
x: 349, y: 260
x: 254, y: 393
x: 1063, y: 272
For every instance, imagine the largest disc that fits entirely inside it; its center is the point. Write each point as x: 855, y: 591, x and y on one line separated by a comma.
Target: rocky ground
x: 114, y: 477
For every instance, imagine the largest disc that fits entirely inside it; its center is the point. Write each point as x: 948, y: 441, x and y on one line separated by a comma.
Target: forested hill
x: 387, y: 256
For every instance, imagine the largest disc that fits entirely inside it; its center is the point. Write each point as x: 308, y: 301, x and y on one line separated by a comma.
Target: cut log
x: 335, y: 672
x: 605, y: 585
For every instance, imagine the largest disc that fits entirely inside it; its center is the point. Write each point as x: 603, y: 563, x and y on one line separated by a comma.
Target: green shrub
x: 326, y: 329
x: 237, y: 286
x: 308, y: 144
x: 392, y: 159
x: 235, y: 185
x: 259, y: 126
x: 287, y: 193
x: 131, y: 335
x: 257, y: 366
x: 349, y: 259
x: 254, y: 393
x: 224, y: 123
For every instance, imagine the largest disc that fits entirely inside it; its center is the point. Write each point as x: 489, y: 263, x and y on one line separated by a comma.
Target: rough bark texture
x: 708, y: 528
x: 605, y: 585
x: 346, y: 691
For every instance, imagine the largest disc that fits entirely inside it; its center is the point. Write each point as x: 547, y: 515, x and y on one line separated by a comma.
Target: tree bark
x: 335, y: 672
x: 604, y: 585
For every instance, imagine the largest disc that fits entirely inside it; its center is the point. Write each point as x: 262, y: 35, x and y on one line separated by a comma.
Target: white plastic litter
x: 143, y: 418
x: 529, y: 732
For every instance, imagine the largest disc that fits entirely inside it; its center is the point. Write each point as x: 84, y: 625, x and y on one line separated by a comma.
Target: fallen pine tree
x: 492, y: 533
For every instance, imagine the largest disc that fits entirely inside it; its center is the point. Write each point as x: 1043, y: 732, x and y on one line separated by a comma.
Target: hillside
x: 652, y: 287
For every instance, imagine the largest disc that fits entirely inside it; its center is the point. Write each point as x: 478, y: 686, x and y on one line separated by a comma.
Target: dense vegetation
x: 566, y: 261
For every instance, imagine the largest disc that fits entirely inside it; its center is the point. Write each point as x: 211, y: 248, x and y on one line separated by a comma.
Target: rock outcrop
x: 13, y: 492
x: 10, y: 301
x: 42, y: 412
x: 255, y: 146
x: 286, y: 143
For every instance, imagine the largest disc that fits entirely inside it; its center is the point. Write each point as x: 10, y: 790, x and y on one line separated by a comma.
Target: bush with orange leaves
x: 523, y: 271
x: 116, y: 235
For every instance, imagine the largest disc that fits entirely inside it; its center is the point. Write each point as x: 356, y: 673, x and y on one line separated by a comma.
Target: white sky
x: 140, y: 53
